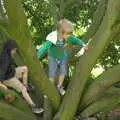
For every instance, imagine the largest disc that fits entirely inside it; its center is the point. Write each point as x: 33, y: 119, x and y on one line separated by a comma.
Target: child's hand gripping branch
x: 83, y: 49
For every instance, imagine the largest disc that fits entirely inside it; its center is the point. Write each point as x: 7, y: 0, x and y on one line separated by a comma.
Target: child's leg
x: 22, y: 72
x: 27, y: 97
x: 18, y: 86
x: 52, y: 68
x: 62, y: 72
x: 61, y: 80
x: 60, y: 84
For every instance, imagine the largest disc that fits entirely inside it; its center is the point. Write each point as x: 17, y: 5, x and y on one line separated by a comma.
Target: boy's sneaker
x: 37, y: 110
x: 61, y: 90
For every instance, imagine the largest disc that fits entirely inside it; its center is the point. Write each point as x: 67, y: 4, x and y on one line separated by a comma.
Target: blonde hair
x: 63, y: 26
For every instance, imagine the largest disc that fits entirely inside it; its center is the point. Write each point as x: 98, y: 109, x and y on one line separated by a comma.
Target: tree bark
x: 11, y: 113
x: 96, y: 22
x: 100, y: 86
x: 3, y: 19
x: 48, y: 113
x: 109, y: 26
x: 19, y: 103
x: 110, y: 101
x: 100, y: 40
x: 18, y: 30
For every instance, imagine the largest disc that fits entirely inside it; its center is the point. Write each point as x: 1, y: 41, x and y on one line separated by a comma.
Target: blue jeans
x: 56, y: 66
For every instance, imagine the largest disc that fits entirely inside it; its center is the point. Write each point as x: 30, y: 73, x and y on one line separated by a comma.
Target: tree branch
x: 27, y: 50
x: 100, y: 40
x: 97, y: 20
x: 11, y: 113
x: 109, y: 101
x: 18, y: 102
x: 100, y: 86
x: 71, y: 2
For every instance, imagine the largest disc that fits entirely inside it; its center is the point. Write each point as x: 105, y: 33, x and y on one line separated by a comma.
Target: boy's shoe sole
x: 37, y: 110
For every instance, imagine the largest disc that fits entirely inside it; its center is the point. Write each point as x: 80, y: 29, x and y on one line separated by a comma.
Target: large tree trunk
x: 107, y: 30
x: 17, y: 102
x: 105, y: 104
x: 48, y: 114
x: 100, y: 86
x: 96, y: 22
x: 106, y: 27
x: 11, y: 113
x: 18, y: 30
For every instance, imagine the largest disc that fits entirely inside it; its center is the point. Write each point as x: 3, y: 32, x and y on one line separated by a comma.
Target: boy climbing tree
x: 9, y: 75
x: 56, y: 44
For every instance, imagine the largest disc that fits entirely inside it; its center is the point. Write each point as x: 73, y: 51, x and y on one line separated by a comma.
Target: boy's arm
x: 72, y: 39
x: 43, y: 48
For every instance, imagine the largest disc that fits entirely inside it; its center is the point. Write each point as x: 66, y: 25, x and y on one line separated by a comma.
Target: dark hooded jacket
x: 7, y: 67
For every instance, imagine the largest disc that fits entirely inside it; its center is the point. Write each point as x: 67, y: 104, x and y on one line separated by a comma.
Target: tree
x: 104, y: 29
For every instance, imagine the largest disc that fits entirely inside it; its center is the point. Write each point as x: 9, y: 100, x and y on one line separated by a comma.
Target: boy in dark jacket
x: 9, y: 75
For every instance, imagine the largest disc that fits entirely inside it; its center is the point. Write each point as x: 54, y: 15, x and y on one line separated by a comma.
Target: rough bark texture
x: 17, y: 29
x: 11, y: 113
x: 103, y: 30
x: 100, y: 86
x: 109, y: 101
x: 18, y: 102
x: 99, y: 41
x: 48, y: 114
x: 96, y: 22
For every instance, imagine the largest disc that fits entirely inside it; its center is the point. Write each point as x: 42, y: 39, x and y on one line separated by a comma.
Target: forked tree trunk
x: 108, y: 27
x: 11, y: 113
x: 18, y: 30
x: 107, y: 30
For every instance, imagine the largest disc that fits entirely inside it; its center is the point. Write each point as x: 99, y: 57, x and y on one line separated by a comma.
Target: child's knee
x: 23, y: 90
